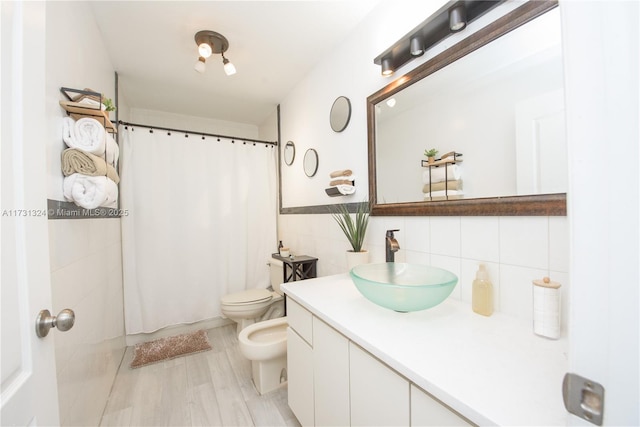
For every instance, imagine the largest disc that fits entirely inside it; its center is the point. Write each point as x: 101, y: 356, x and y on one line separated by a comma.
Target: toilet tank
x: 275, y: 265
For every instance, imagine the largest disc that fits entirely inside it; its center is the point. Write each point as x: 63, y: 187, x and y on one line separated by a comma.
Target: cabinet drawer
x: 427, y: 411
x: 300, y: 320
x: 300, y: 372
x: 379, y: 395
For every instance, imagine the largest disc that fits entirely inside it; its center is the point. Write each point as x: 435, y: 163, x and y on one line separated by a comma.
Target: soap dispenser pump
x: 482, y: 293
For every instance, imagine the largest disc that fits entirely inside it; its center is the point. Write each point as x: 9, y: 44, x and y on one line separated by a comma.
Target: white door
x: 540, y: 137
x: 29, y: 393
x: 602, y: 128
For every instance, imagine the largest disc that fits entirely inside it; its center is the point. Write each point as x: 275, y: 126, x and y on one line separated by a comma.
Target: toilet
x: 265, y: 344
x: 255, y: 305
x: 262, y: 329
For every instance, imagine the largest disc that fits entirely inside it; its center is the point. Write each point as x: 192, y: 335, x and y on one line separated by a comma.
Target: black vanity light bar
x: 444, y: 22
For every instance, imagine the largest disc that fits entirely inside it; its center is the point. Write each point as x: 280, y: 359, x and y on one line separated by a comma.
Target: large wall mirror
x: 497, y: 98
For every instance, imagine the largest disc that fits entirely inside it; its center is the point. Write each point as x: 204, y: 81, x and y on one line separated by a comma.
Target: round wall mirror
x: 310, y: 162
x: 340, y: 114
x: 289, y: 152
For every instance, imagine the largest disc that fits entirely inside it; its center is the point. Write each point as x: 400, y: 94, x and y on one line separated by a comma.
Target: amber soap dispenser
x: 482, y: 293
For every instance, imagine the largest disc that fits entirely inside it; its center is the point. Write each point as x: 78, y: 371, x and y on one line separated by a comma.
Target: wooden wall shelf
x: 78, y: 110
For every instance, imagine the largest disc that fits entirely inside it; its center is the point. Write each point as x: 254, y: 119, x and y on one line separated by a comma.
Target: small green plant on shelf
x: 108, y: 103
x: 431, y: 154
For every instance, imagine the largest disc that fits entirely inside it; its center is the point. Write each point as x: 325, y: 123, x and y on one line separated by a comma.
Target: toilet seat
x: 250, y: 296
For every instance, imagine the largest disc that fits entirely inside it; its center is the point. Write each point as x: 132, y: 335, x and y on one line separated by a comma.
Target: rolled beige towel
x: 437, y: 186
x: 340, y: 182
x: 336, y: 174
x: 78, y: 161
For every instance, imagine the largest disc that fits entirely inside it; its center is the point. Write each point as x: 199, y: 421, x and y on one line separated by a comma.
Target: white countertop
x: 492, y: 370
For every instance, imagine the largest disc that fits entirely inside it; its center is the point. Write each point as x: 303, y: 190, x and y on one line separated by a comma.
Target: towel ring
x: 289, y: 153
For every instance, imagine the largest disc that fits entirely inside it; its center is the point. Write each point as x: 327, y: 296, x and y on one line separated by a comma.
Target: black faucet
x: 391, y: 245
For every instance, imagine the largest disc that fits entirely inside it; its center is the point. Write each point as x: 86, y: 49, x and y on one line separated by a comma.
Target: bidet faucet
x: 391, y: 245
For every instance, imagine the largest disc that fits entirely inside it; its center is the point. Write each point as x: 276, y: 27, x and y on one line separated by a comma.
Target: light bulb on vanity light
x: 387, y: 68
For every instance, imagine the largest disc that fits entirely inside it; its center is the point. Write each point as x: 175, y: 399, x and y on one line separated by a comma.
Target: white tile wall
x: 516, y: 250
x: 86, y: 276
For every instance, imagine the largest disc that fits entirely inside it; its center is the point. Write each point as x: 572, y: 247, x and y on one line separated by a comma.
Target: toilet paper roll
x: 546, y: 308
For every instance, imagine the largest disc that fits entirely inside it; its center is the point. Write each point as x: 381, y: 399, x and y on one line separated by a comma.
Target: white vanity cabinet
x: 334, y: 382
x: 379, y: 396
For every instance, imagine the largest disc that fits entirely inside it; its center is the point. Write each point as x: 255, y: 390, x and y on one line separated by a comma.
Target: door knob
x: 45, y: 321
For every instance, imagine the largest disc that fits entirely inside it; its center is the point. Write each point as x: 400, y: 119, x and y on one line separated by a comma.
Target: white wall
x: 517, y: 250
x: 85, y: 254
x: 192, y: 123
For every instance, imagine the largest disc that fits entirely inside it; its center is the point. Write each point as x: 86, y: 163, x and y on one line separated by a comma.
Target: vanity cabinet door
x: 300, y: 377
x: 427, y: 411
x: 379, y: 396
x: 330, y: 375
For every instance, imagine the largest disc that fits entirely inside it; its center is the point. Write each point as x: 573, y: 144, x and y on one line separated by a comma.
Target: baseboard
x: 215, y: 322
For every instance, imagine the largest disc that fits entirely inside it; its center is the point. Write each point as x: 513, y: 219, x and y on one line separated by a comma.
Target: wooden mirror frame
x: 530, y: 205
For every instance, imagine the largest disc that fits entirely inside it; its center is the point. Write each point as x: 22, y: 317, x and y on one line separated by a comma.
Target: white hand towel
x: 86, y: 134
x: 438, y: 174
x: 346, y: 189
x: 90, y: 192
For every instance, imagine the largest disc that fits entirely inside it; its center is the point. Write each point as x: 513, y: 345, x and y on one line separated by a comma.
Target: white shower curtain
x: 200, y: 222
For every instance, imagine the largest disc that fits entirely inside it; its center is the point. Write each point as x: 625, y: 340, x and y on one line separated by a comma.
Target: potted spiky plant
x: 431, y: 155
x: 354, y: 228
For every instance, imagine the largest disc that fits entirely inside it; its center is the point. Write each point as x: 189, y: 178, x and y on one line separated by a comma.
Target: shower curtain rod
x: 232, y: 138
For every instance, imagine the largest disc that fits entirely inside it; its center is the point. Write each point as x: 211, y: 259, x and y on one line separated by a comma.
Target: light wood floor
x: 212, y: 388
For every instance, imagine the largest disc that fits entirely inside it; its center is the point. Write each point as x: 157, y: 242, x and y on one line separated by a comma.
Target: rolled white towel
x: 91, y: 192
x: 438, y: 174
x: 346, y: 189
x: 113, y: 151
x: 92, y: 103
x: 86, y: 134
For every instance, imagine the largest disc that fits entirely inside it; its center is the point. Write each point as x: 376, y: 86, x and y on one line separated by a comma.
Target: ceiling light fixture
x: 452, y: 17
x: 210, y: 42
x: 457, y: 18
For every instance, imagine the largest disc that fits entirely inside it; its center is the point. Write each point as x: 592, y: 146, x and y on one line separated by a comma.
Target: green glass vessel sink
x: 403, y: 287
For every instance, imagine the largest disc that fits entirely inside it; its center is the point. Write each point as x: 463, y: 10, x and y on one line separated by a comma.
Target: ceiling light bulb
x: 200, y: 65
x: 204, y: 49
x: 391, y: 102
x: 229, y: 68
